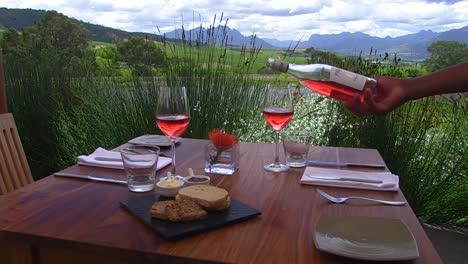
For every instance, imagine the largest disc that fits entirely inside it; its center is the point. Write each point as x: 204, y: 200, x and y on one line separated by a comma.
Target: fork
x: 343, y: 199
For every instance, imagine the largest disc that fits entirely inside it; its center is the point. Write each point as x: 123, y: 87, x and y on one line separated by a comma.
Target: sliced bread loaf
x: 177, y: 211
x: 209, y: 197
x: 158, y: 209
x: 185, y: 210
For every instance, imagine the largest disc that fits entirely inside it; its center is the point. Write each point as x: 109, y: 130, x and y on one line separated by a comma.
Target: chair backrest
x: 14, y: 168
x: 3, y: 101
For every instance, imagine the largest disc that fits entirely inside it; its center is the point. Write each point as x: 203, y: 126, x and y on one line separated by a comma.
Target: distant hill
x: 412, y: 45
x: 20, y: 18
x: 226, y: 34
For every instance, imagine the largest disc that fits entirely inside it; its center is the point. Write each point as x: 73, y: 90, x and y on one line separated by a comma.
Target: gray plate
x: 156, y: 140
x: 367, y: 238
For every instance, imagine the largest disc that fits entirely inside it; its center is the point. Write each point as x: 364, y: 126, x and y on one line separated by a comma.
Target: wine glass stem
x: 173, y: 157
x: 277, y: 148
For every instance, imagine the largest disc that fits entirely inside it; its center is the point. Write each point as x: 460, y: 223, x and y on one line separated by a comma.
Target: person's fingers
x: 356, y: 106
x: 351, y: 105
x: 374, y: 107
x: 362, y: 104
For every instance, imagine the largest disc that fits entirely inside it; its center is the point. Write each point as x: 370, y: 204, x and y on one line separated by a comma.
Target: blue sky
x: 279, y: 19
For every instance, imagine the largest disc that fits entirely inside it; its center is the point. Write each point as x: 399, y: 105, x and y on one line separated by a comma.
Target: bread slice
x: 209, y: 197
x: 225, y: 205
x: 158, y: 209
x: 185, y: 210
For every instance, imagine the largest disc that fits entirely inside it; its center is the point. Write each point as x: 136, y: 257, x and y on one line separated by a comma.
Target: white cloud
x: 284, y: 20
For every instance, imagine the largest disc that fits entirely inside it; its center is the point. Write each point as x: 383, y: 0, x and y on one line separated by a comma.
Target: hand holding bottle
x: 391, y: 94
x: 367, y: 96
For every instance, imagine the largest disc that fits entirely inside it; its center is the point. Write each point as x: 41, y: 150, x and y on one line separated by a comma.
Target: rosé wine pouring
x: 277, y: 113
x: 172, y: 125
x: 278, y: 117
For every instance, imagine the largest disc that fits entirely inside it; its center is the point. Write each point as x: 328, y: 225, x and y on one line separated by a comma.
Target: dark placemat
x: 174, y: 230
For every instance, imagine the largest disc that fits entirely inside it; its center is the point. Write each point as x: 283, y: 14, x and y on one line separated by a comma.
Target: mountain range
x: 412, y: 46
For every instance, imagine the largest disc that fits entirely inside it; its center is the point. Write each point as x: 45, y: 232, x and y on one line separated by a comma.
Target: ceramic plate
x: 156, y: 140
x: 366, y: 238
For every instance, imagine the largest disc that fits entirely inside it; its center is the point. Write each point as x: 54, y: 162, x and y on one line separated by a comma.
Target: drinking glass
x: 296, y: 147
x: 140, y: 164
x: 173, y: 115
x: 278, y: 111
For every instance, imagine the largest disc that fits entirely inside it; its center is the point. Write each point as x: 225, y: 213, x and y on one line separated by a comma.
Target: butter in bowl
x: 169, y: 186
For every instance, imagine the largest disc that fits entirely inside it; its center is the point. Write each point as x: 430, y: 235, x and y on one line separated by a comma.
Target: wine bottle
x: 328, y: 80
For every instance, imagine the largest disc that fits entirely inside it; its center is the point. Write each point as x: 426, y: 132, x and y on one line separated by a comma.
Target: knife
x: 89, y: 177
x: 119, y: 160
x: 344, y: 179
x: 344, y: 164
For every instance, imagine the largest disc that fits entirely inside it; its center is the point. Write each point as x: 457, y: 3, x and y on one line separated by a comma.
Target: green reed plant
x: 64, y: 114
x: 220, y: 89
x: 109, y: 115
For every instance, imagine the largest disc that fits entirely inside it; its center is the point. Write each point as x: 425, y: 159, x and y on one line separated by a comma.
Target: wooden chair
x: 14, y: 168
x: 3, y: 102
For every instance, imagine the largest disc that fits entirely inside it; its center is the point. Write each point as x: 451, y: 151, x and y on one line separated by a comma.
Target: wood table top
x: 86, y: 215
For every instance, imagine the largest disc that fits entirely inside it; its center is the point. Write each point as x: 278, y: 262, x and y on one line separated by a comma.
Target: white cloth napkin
x: 90, y: 160
x: 389, y: 181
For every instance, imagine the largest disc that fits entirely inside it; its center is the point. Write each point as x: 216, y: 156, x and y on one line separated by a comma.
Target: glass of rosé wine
x: 278, y: 111
x: 173, y: 115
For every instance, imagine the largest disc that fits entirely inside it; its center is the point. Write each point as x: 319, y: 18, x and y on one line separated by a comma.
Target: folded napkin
x: 90, y: 160
x: 389, y: 181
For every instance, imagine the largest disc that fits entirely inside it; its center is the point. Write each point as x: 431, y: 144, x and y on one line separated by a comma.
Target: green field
x: 231, y: 56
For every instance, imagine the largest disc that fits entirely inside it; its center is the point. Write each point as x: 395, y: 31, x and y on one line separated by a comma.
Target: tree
x: 140, y: 55
x: 319, y: 56
x: 12, y: 43
x: 11, y: 39
x: 56, y: 43
x: 445, y: 54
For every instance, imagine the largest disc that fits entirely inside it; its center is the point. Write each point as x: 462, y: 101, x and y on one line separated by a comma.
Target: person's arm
x: 450, y: 80
x: 393, y: 92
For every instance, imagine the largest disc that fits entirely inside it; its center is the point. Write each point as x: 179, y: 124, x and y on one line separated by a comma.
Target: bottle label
x: 348, y: 78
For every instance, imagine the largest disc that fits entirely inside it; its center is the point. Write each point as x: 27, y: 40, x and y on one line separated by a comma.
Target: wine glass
x: 172, y: 115
x: 278, y: 111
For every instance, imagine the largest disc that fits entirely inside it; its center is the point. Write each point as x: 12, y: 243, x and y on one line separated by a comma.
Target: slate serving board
x: 140, y: 207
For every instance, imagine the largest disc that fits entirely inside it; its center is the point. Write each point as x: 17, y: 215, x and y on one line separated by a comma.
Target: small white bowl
x: 169, y: 188
x: 197, y: 179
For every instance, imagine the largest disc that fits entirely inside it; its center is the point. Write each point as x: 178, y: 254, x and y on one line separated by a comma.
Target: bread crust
x: 209, y: 197
x: 225, y: 205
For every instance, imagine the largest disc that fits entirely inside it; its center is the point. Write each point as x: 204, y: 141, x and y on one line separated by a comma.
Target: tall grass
x: 221, y: 92
x: 61, y: 116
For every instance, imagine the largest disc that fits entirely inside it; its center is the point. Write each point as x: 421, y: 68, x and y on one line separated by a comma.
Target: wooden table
x: 60, y: 220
